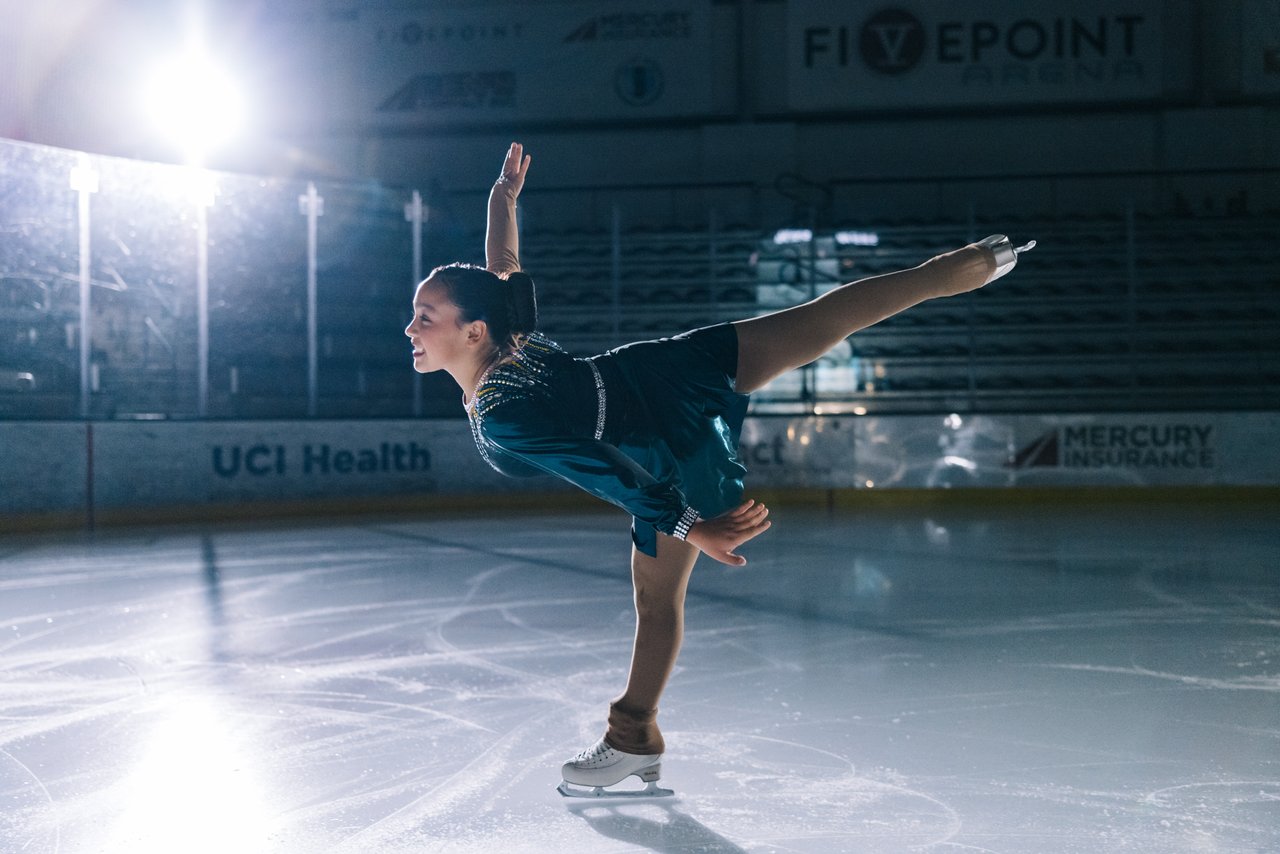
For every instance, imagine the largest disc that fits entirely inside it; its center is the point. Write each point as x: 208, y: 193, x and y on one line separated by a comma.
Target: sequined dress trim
x: 602, y: 398
x: 479, y: 439
x: 524, y: 373
x: 473, y: 416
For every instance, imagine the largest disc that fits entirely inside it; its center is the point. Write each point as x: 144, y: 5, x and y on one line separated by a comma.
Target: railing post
x: 616, y: 273
x: 971, y: 312
x: 809, y: 373
x: 312, y: 206
x: 1131, y: 265
x: 85, y: 182
x: 413, y: 213
x: 202, y: 191
x: 713, y: 229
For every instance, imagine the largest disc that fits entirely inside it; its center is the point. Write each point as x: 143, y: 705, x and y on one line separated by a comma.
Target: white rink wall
x: 68, y: 467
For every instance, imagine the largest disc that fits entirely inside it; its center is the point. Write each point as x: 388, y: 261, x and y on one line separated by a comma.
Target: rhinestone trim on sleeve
x: 687, y: 518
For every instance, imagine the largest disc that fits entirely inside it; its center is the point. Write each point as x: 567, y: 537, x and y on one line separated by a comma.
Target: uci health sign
x: 867, y: 56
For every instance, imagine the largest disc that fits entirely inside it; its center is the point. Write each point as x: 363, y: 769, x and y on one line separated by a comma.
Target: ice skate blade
x: 651, y: 790
x: 1006, y: 254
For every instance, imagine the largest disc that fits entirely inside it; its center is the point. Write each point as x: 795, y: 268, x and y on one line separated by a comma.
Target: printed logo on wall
x: 454, y: 90
x: 391, y: 66
x: 413, y: 33
x: 1042, y: 452
x: 892, y: 41
x: 321, y: 458
x: 638, y: 82
x: 625, y: 26
x: 1128, y: 446
x: 952, y: 52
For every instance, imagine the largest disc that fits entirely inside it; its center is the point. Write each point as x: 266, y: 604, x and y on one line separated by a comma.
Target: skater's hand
x: 513, y: 169
x: 721, y: 536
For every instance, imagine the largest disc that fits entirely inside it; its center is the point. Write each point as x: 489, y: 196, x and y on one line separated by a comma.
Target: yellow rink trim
x: 474, y: 505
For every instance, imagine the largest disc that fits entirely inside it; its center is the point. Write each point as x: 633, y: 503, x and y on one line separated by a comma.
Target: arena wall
x: 71, y: 474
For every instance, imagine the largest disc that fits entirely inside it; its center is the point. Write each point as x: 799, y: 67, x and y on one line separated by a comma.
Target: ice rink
x: 996, y: 679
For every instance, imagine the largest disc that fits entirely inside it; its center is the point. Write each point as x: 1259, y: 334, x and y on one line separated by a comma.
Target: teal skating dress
x: 652, y: 427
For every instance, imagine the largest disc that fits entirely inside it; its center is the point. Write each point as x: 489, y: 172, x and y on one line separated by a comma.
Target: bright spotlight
x: 195, y: 104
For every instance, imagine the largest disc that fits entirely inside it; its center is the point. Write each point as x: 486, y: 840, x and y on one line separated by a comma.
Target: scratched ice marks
x: 1022, y: 681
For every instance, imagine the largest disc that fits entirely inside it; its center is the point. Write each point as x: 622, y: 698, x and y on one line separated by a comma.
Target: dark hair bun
x: 522, y: 303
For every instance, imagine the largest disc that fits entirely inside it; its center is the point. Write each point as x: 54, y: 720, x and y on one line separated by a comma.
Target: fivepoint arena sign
x: 845, y: 56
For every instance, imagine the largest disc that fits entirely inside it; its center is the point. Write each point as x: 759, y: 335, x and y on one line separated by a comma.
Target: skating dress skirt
x: 652, y: 427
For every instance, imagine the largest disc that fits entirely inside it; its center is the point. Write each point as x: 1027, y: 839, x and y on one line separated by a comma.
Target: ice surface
x: 1030, y: 681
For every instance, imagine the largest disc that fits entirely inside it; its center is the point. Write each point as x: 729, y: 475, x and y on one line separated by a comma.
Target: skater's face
x: 441, y: 339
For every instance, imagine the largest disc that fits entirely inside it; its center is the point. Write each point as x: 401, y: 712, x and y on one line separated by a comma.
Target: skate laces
x: 595, y: 751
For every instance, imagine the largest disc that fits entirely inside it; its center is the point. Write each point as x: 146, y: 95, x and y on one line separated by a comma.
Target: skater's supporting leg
x: 660, y: 584
x: 773, y: 344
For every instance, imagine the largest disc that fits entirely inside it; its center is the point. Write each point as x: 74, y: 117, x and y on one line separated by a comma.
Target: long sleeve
x: 502, y: 239
x: 595, y: 466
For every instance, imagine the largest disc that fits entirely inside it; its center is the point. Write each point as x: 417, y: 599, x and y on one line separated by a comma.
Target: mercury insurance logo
x: 1128, y: 446
x: 892, y: 41
x: 629, y: 26
x: 1040, y: 453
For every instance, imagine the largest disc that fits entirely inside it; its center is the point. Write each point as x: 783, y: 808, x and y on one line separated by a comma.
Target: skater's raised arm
x: 502, y: 239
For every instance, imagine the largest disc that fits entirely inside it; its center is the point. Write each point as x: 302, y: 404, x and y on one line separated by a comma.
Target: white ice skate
x: 600, y: 766
x: 1006, y: 253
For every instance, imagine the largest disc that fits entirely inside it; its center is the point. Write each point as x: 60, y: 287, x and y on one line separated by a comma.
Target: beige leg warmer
x: 633, y: 730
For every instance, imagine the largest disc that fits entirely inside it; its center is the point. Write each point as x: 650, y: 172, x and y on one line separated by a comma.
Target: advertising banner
x: 176, y: 463
x: 1153, y: 449
x: 46, y: 467
x: 850, y: 56
x: 490, y: 63
x: 800, y: 452
x: 1147, y: 449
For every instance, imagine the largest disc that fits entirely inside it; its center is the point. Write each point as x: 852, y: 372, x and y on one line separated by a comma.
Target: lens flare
x: 195, y: 104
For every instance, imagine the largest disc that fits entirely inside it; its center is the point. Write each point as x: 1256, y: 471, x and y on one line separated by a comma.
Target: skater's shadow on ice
x: 676, y: 832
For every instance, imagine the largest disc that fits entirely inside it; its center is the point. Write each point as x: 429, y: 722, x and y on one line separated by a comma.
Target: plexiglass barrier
x: 132, y: 289
x: 141, y: 290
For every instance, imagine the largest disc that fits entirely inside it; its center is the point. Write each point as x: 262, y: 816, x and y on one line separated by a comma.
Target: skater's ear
x: 476, y: 331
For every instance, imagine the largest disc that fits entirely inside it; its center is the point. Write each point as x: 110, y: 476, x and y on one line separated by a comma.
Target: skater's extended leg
x: 773, y: 344
x: 660, y: 584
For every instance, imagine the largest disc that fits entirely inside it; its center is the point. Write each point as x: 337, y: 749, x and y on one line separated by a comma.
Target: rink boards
x: 55, y: 468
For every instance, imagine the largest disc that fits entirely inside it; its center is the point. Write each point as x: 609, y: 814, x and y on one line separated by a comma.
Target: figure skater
x: 651, y: 427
